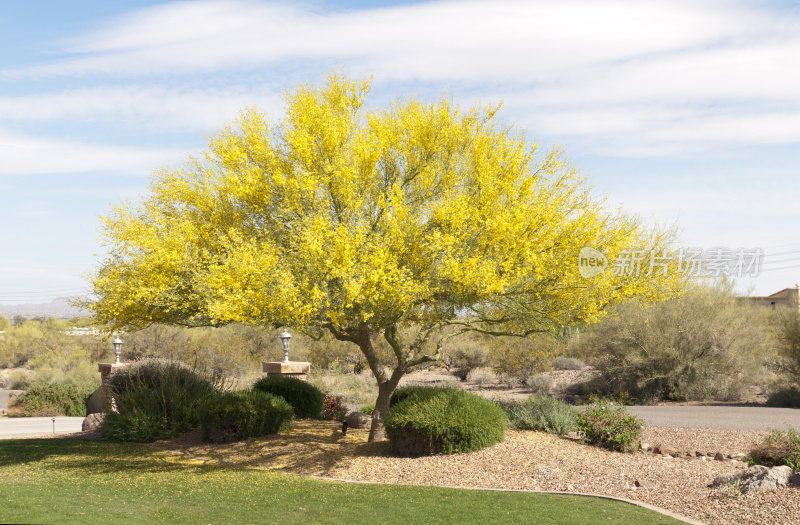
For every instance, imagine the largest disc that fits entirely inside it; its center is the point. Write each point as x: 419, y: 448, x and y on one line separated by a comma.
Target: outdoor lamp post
x: 117, y: 348
x: 285, y: 337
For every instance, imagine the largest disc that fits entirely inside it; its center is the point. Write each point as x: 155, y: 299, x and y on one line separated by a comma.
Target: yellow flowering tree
x: 365, y: 222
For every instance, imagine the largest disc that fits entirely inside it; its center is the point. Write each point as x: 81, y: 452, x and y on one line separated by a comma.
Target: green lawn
x: 75, y: 481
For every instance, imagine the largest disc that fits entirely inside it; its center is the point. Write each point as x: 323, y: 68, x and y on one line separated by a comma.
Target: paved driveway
x: 725, y: 417
x: 17, y: 426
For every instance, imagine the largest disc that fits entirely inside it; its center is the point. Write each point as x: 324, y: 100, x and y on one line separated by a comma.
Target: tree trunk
x: 377, y: 432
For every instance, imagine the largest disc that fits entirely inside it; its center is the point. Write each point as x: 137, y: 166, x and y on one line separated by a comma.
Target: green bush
x: 779, y: 448
x: 609, y: 425
x: 53, y: 400
x: 233, y: 416
x: 443, y: 421
x: 541, y: 413
x: 368, y: 409
x: 306, y: 399
x: 154, y: 400
x: 404, y: 392
x: 786, y: 398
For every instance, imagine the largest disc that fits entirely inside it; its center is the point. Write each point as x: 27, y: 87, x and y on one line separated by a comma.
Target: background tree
x: 420, y: 217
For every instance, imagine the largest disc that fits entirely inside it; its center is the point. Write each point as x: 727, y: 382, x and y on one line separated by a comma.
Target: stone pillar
x: 297, y: 369
x: 107, y: 370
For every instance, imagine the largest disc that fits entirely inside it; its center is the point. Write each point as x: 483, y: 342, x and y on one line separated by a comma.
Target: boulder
x: 358, y: 420
x: 719, y: 456
x: 759, y: 478
x: 93, y: 421
x: 665, y: 450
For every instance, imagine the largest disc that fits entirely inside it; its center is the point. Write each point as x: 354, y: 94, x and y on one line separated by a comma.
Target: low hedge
x: 305, y: 398
x: 53, y: 400
x: 154, y: 400
x: 234, y: 416
x: 443, y: 421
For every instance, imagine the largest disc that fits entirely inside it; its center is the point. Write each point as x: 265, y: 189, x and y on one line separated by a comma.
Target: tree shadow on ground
x: 312, y: 447
x: 93, y: 457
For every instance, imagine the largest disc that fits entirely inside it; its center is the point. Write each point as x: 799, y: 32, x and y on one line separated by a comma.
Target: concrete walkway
x: 21, y: 426
x: 723, y: 417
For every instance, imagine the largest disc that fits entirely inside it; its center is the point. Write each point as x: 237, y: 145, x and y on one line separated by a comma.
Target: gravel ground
x: 527, y: 460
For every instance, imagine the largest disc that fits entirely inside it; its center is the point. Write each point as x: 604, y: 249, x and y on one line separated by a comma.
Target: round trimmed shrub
x: 305, y: 398
x: 443, y: 421
x: 404, y: 392
x: 234, y: 416
x: 153, y: 400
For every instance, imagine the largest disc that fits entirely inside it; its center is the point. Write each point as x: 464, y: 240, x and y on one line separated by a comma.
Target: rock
x: 759, y: 478
x: 666, y: 451
x: 358, y: 420
x: 699, y: 454
x: 690, y: 454
x: 719, y: 456
x: 93, y: 421
x: 644, y: 447
x: 640, y: 484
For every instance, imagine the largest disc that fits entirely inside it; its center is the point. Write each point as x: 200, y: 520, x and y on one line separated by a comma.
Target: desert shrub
x: 467, y: 356
x: 539, y: 383
x: 608, y: 424
x: 482, y: 376
x: 354, y: 388
x: 52, y: 400
x: 234, y: 416
x: 786, y: 398
x: 306, y: 399
x: 443, y: 421
x: 154, y: 400
x: 779, y: 448
x: 703, y: 345
x: 541, y: 413
x: 333, y: 407
x: 569, y: 363
x: 368, y: 408
x: 786, y: 327
x: 151, y: 373
x: 515, y: 359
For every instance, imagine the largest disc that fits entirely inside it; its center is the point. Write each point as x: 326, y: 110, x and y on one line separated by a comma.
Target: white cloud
x: 24, y: 155
x: 148, y: 107
x: 618, y: 77
x: 519, y: 40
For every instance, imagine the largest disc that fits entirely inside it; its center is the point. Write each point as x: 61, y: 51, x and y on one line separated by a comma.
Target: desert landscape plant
x: 234, y: 416
x: 608, y: 424
x: 306, y: 399
x: 779, y: 448
x: 443, y: 421
x: 541, y: 413
x: 52, y: 400
x: 704, y: 345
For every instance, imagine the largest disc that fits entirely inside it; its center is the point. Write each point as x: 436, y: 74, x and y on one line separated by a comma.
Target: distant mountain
x: 59, y: 308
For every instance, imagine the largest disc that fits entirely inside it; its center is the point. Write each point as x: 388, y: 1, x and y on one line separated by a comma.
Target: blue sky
x: 686, y: 113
